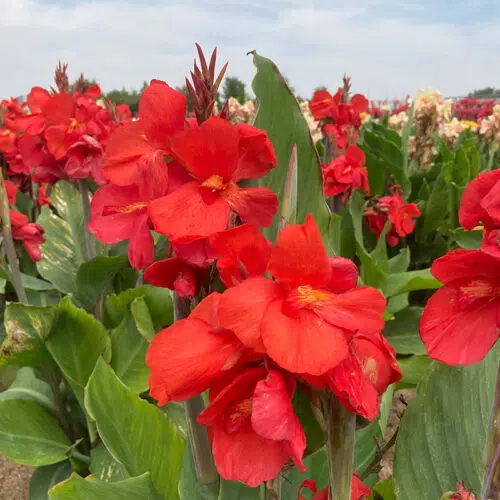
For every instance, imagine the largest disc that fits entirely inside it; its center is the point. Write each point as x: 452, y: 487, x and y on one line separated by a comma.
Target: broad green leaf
x: 47, y: 476
x: 189, y: 486
x: 470, y: 240
x: 402, y: 332
x: 76, y: 341
x: 64, y: 249
x: 289, y: 201
x: 409, y: 282
x: 94, y: 276
x: 27, y: 328
x: 377, y: 171
x: 158, y: 300
x: 302, y: 405
x: 230, y: 490
x: 385, y: 408
x: 176, y: 414
x: 414, y: 368
x: 279, y: 114
x: 77, y: 488
x: 128, y: 349
x: 30, y: 435
x: 462, y: 168
x: 104, y: 466
x: 135, y: 432
x: 142, y: 317
x: 27, y: 386
x: 443, y: 433
x: 385, y: 489
x: 436, y: 207
x: 336, y: 232
x: 400, y: 262
x: 32, y: 283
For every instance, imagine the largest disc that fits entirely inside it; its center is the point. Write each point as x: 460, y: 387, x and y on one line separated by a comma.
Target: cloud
x: 390, y: 47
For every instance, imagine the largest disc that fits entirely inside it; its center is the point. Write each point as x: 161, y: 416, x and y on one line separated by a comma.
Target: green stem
x: 198, y: 436
x: 10, y: 249
x: 80, y: 457
x: 491, y: 485
x: 84, y: 195
x: 341, y: 428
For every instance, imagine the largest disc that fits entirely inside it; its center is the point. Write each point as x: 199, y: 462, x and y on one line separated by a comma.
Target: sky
x: 389, y: 47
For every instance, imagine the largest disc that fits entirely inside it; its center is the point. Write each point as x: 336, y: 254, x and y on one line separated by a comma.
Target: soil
x: 14, y: 480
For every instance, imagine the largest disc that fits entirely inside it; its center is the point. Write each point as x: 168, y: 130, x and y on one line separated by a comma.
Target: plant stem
x: 84, y: 195
x: 10, y: 249
x: 198, y: 436
x: 341, y: 428
x: 491, y: 485
x: 80, y: 457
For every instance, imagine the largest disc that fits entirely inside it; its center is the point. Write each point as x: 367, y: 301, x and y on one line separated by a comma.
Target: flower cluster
x: 472, y: 109
x: 394, y: 209
x: 241, y: 113
x: 341, y: 118
x: 490, y: 126
x: 461, y: 320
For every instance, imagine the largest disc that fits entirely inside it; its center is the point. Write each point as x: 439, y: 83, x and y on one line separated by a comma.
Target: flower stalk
x: 84, y: 194
x: 10, y: 249
x: 341, y: 428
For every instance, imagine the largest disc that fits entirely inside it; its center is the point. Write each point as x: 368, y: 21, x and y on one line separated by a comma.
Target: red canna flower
x: 162, y: 112
x: 217, y: 155
x: 186, y: 358
x: 30, y: 233
x: 11, y: 190
x: 400, y: 214
x: 42, y: 197
x: 460, y: 321
x: 345, y: 173
x: 253, y: 427
x: 299, y: 319
x: 84, y: 159
x: 481, y: 204
x: 120, y: 212
x: 359, y: 490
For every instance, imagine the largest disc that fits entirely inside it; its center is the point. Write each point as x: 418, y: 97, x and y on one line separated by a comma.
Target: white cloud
x: 122, y: 44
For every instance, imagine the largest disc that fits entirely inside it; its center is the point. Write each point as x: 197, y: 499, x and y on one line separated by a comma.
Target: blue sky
x: 389, y: 47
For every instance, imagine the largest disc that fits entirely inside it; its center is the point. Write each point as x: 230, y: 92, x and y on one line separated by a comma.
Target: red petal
x: 243, y: 252
x: 37, y: 98
x: 301, y: 344
x: 59, y: 108
x: 55, y: 137
x: 458, y: 336
x: 11, y: 190
x: 257, y: 155
x: 299, y: 257
x: 210, y: 149
x: 360, y: 491
x: 124, y: 147
x: 247, y: 457
x: 321, y: 104
x: 152, y: 173
x: 491, y: 205
x: 162, y: 110
x: 355, y: 156
x: 344, y: 274
x: 459, y: 264
x: 360, y: 104
x: 167, y: 273
x: 256, y: 206
x: 273, y: 416
x: 184, y: 216
x: 208, y: 309
x: 185, y: 358
x: 471, y: 212
x: 243, y: 306
x: 141, y: 247
x: 93, y: 92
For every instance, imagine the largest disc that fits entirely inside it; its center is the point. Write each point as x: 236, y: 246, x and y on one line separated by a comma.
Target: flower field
x: 229, y: 302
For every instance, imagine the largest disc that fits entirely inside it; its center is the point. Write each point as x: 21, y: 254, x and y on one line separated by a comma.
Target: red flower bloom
x: 461, y: 320
x: 188, y: 356
x: 393, y: 208
x: 30, y: 233
x: 298, y: 320
x: 11, y: 190
x: 254, y: 428
x: 120, y: 212
x: 215, y: 155
x: 345, y: 173
x: 42, y: 197
x: 162, y: 112
x: 84, y: 160
x: 359, y: 490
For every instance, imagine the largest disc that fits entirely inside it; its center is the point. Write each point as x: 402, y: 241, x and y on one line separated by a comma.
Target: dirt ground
x: 14, y: 480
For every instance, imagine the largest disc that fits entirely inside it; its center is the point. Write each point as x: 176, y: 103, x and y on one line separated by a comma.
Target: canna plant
x: 201, y: 324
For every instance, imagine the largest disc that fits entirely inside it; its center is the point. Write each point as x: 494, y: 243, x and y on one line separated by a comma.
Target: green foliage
x: 47, y: 476
x: 234, y: 87
x: 129, y: 97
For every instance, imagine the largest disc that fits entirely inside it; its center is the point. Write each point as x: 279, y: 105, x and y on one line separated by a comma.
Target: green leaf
x: 64, y: 249
x: 414, y: 368
x: 77, y: 488
x: 32, y: 283
x: 302, y: 405
x: 289, y: 202
x: 470, y: 240
x: 94, y: 276
x: 385, y: 489
x: 27, y: 386
x: 402, y: 332
x: 127, y: 424
x: 129, y: 353
x: 336, y: 232
x: 400, y: 262
x: 104, y: 466
x: 47, y: 476
x: 436, y: 208
x: 27, y: 328
x: 142, y: 317
x: 443, y: 433
x: 230, y: 490
x: 30, y: 435
x: 280, y: 116
x: 189, y: 487
x: 76, y: 341
x: 409, y: 282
